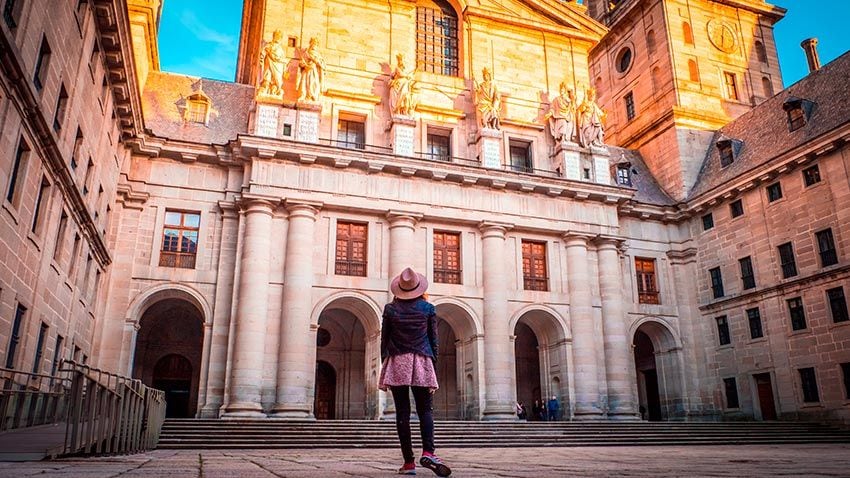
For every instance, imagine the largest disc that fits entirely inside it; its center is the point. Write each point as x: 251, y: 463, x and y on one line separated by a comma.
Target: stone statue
x: 273, y: 64
x: 311, y: 73
x: 591, y: 118
x: 562, y: 115
x: 488, y: 102
x: 402, y: 100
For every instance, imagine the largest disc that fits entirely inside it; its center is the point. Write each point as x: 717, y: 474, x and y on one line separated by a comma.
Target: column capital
x: 685, y: 256
x: 606, y: 242
x: 228, y: 209
x: 257, y: 204
x: 494, y: 229
x: 577, y: 238
x: 403, y: 218
x: 299, y: 208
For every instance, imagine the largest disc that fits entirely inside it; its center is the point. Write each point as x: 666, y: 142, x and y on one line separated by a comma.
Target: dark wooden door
x: 765, y: 391
x: 324, y: 406
x: 653, y: 400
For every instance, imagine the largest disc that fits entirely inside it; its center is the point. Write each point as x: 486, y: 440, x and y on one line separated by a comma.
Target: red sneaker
x: 407, y: 469
x: 435, y: 464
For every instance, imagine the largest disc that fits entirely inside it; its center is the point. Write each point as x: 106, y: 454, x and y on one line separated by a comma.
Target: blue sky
x: 202, y: 38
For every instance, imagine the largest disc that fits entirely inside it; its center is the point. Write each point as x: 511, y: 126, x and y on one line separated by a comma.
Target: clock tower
x: 671, y: 72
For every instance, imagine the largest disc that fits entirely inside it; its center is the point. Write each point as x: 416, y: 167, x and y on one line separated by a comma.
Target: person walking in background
x: 409, y: 351
x: 553, y: 407
x: 535, y: 410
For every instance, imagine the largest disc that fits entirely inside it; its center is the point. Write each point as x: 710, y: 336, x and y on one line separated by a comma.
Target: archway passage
x: 457, y: 363
x: 341, y: 366
x: 324, y: 405
x: 527, y: 360
x: 540, y: 358
x: 647, y: 376
x: 660, y: 383
x: 446, y: 403
x: 168, y: 353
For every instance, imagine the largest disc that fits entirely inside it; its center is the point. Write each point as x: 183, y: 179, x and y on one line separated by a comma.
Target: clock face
x: 722, y: 36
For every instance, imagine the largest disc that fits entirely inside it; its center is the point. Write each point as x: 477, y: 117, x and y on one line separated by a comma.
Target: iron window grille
x: 437, y: 39
x: 630, y: 105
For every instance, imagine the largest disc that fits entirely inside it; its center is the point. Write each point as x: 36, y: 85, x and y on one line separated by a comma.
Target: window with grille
x: 16, y: 179
x: 754, y: 318
x: 180, y: 239
x: 197, y: 111
x: 747, y: 275
x: 707, y: 222
x: 809, y: 383
x: 731, y: 387
x: 647, y: 283
x: 730, y: 82
x: 439, y: 145
x: 15, y: 336
x: 629, y: 99
x: 826, y: 248
x: 437, y: 37
x: 351, y: 242
x: 351, y: 134
x: 716, y: 283
x: 797, y: 313
x: 61, y: 107
x: 837, y: 304
x: 723, y: 330
x: 521, y: 156
x: 39, y: 348
x: 787, y: 261
x: 447, y: 268
x: 534, y: 266
x: 624, y: 176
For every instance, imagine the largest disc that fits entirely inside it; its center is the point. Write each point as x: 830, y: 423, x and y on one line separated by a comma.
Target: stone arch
x: 545, y: 321
x: 665, y: 339
x: 361, y: 305
x: 659, y: 372
x: 459, y: 315
x: 168, y: 290
x: 457, y: 362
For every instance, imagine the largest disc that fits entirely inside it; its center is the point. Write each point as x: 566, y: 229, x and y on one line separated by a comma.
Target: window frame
x: 797, y: 313
x: 837, y: 300
x: 716, y: 276
x: 43, y: 332
x: 730, y: 86
x: 443, y: 274
x: 343, y: 139
x: 724, y: 335
x: 647, y: 281
x: 809, y: 385
x: 774, y: 191
x: 347, y: 266
x: 624, y: 175
x: 755, y: 323
x: 736, y: 208
x: 17, y: 179
x: 179, y: 259
x: 748, y: 275
x: 444, y: 135
x: 787, y: 260
x: 707, y: 222
x: 42, y: 63
x: 811, y: 176
x: 444, y: 56
x: 15, y: 335
x: 828, y: 256
x: 730, y: 383
x: 525, y: 145
x: 631, y: 110
x: 531, y: 280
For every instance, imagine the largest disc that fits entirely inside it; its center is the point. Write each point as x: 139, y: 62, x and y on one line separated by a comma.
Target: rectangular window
x: 826, y: 248
x: 731, y: 386
x: 437, y: 39
x: 15, y: 336
x: 774, y: 192
x: 838, y: 304
x: 811, y: 175
x: 61, y: 107
x: 845, y: 371
x: 786, y: 259
x: 534, y: 276
x: 60, y: 237
x: 447, y: 268
x: 754, y: 318
x: 727, y: 153
x: 716, y: 283
x: 41, y: 200
x: 730, y: 81
x: 351, y: 134
x: 12, y: 13
x: 351, y: 248
x: 747, y: 275
x: 646, y: 281
x: 39, y: 348
x: 76, y: 355
x: 84, y: 287
x: 41, y: 64
x: 179, y: 239
x: 521, y: 156
x: 796, y: 118
x: 75, y: 253
x: 797, y: 313
x: 197, y: 111
x: 16, y: 179
x: 624, y: 177
x: 630, y: 105
x: 57, y: 354
x: 810, y: 385
x: 723, y: 330
x: 439, y: 145
x: 736, y: 208
x: 78, y: 145
x: 707, y: 222
x: 89, y: 175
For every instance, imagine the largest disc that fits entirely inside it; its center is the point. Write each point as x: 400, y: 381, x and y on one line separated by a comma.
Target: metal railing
x: 31, y: 399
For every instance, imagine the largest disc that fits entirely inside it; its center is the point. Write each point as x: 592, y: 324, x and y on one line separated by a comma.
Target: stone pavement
x: 691, y: 461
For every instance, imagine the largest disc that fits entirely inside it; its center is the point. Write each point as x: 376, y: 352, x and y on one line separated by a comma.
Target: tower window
x: 630, y: 105
x: 650, y: 41
x: 693, y: 70
x: 437, y: 37
x: 688, y: 33
x: 767, y: 86
x: 761, y: 53
x: 730, y: 82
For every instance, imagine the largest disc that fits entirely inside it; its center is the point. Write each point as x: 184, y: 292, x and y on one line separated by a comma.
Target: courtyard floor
x: 691, y: 461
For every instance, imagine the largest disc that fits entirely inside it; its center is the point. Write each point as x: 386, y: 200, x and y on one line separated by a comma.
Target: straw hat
x: 409, y: 284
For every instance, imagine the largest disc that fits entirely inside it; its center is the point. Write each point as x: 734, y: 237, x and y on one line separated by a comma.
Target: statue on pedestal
x: 591, y: 118
x: 273, y: 64
x: 562, y: 115
x: 402, y: 82
x: 311, y: 73
x: 488, y: 102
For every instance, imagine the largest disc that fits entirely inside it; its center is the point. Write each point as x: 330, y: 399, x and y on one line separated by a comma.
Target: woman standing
x: 409, y: 351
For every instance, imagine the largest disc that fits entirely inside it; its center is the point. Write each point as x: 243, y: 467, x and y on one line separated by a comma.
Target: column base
x: 624, y: 417
x: 210, y: 411
x: 589, y: 416
x: 243, y: 410
x: 499, y: 417
x: 242, y: 415
x: 289, y: 412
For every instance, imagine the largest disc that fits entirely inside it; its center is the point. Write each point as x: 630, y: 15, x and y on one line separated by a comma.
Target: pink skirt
x: 408, y: 369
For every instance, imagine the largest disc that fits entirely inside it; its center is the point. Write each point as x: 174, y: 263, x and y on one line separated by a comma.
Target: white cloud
x: 206, y: 34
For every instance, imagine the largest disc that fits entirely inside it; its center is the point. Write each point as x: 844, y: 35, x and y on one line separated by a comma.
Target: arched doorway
x: 658, y: 372
x: 168, y: 353
x: 324, y: 405
x: 540, y: 361
x: 446, y: 397
x: 457, y: 362
x: 527, y: 362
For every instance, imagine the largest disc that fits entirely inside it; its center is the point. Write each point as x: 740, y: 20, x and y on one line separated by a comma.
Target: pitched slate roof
x: 764, y: 133
x: 647, y: 190
x: 164, y: 103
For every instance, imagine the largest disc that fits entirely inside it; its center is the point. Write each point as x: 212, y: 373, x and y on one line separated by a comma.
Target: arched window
x: 688, y: 33
x: 650, y: 41
x: 761, y: 53
x: 767, y: 86
x: 693, y: 70
x: 437, y: 37
x: 656, y: 79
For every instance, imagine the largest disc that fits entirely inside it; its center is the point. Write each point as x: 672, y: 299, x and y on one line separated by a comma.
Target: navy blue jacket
x: 410, y: 326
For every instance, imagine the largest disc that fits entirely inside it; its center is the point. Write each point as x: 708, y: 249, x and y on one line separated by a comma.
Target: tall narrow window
x: 656, y: 79
x: 688, y: 33
x: 76, y: 155
x: 774, y: 192
x: 89, y: 174
x: 809, y: 383
x: 60, y: 237
x: 747, y: 275
x: 761, y: 53
x: 716, y: 283
x: 727, y: 153
x: 179, y: 239
x: 723, y: 330
x: 826, y: 248
x: 693, y: 70
x: 797, y: 313
x: 811, y: 175
x: 845, y: 371
x: 837, y: 304
x: 754, y: 318
x: 84, y: 287
x: 12, y: 13
x: 41, y: 64
x: 767, y: 86
x: 707, y: 222
x: 41, y: 200
x: 730, y: 82
x: 534, y: 275
x: 650, y: 41
x: 647, y: 284
x: 351, y: 134
x: 624, y: 176
x: 57, y: 354
x: 351, y: 240
x: 61, y: 107
x: 447, y: 268
x: 15, y: 336
x: 521, y: 156
x: 437, y: 37
x: 16, y: 179
x: 731, y: 387
x: 787, y: 261
x: 39, y: 348
x: 75, y: 254
x: 629, y: 99
x: 439, y: 145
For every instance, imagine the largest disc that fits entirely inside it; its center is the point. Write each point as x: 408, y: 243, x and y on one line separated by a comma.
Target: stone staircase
x: 270, y: 434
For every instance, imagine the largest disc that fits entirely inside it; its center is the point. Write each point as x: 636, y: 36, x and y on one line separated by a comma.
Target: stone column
x: 622, y: 403
x: 500, y: 391
x: 246, y: 372
x: 297, y: 354
x: 587, y: 404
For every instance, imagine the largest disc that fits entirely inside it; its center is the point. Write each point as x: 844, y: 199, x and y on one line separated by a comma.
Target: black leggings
x: 424, y: 408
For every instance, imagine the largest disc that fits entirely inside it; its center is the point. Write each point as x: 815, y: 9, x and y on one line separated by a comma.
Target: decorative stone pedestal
x: 266, y: 120
x: 307, y: 121
x: 402, y: 133
x: 567, y: 160
x: 601, y: 160
x: 489, y: 144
